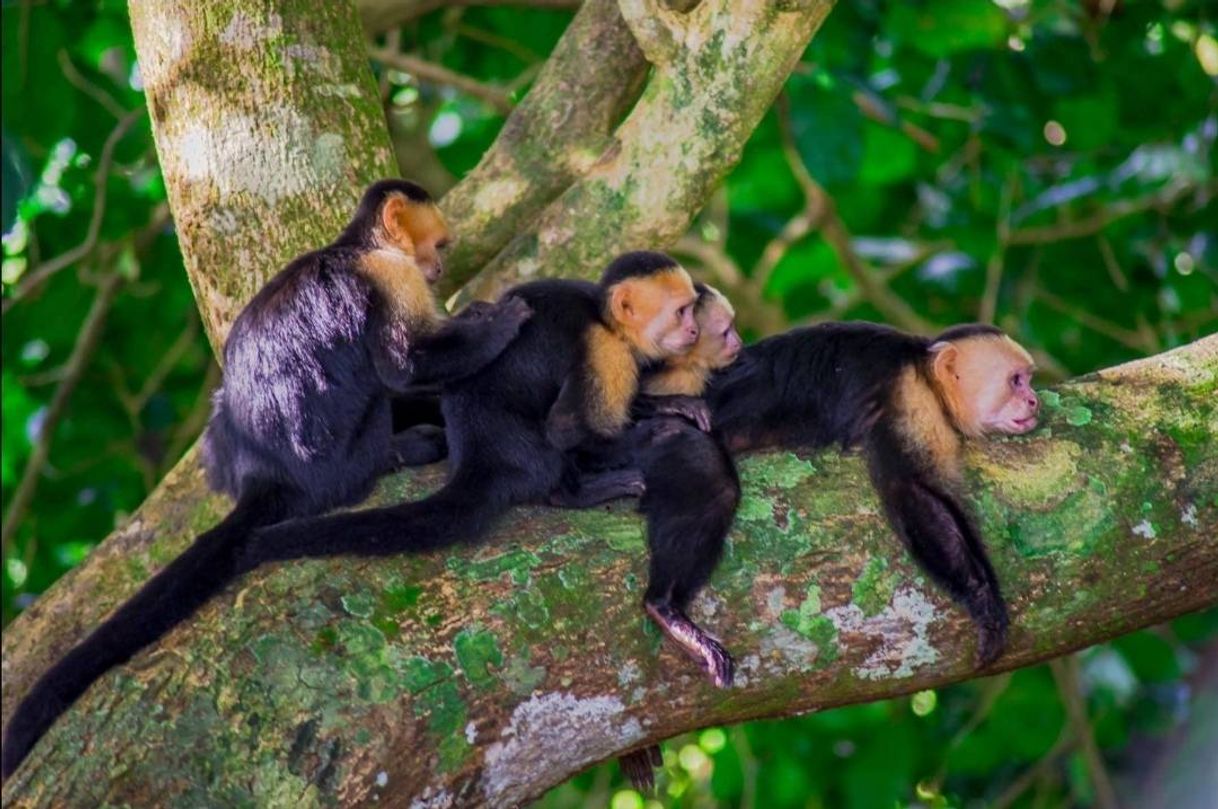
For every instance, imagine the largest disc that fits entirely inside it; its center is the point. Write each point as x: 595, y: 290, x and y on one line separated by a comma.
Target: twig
x: 833, y: 231
x: 1127, y: 337
x: 1101, y: 219
x: 397, y: 14
x: 994, y: 267
x: 44, y: 271
x: 436, y: 74
x: 82, y: 351
x: 1015, y: 790
x: 78, y: 80
x: 748, y: 766
x: 1065, y: 672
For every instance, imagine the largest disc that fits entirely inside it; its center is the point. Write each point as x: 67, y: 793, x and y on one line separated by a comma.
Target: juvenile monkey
x: 301, y: 421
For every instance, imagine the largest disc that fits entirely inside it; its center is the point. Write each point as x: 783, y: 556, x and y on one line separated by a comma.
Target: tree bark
x: 489, y: 674
x: 716, y: 70
x: 267, y: 125
x: 485, y: 676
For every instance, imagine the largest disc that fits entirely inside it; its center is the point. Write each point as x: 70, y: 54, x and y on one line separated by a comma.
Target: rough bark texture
x: 267, y: 126
x: 716, y: 71
x: 487, y: 675
x: 555, y: 135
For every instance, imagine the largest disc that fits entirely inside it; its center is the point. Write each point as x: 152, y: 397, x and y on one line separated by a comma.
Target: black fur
x: 638, y: 264
x: 300, y: 424
x: 497, y: 443
x: 833, y: 384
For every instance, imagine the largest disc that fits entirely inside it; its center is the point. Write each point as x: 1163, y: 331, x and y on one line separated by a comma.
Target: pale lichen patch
x: 433, y: 799
x: 1145, y: 529
x: 1188, y: 515
x: 273, y: 154
x: 537, y: 740
x: 903, y: 628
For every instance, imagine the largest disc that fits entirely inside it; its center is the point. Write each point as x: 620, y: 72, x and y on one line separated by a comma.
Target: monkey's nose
x: 1033, y: 403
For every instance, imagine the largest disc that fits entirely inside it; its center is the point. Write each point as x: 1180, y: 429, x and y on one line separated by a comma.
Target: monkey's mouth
x: 1023, y: 425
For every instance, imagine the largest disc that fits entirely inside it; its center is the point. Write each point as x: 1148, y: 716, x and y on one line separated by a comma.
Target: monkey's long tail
x: 461, y: 511
x: 167, y: 599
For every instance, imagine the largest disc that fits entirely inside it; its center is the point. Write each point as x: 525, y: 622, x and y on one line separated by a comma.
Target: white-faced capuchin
x: 301, y: 422
x: 691, y: 494
x: 908, y: 401
x: 583, y: 345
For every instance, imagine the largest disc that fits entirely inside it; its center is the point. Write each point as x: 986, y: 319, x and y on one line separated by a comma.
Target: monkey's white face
x: 988, y: 384
x: 657, y: 312
x: 719, y: 343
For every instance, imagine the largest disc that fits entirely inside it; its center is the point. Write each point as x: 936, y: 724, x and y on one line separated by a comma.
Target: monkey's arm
x: 565, y: 425
x: 940, y: 535
x: 691, y: 408
x: 460, y: 348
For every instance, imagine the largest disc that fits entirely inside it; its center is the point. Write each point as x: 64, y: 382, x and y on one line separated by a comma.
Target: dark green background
x: 928, y: 124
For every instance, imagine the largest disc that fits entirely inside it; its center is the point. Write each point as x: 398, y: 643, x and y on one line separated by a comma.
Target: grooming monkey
x: 301, y: 422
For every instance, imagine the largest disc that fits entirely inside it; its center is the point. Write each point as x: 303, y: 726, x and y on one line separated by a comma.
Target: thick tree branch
x: 486, y: 675
x: 679, y: 141
x: 554, y: 136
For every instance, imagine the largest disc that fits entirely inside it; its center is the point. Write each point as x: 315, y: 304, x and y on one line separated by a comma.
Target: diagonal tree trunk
x: 487, y: 675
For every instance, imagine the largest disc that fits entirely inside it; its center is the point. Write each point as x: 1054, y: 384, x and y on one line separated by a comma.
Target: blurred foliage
x: 1046, y: 165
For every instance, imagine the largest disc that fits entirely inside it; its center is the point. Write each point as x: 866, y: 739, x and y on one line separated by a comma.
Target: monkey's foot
x: 706, y: 651
x: 640, y: 767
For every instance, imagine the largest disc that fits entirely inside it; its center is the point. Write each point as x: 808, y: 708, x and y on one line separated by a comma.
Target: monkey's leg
x: 417, y: 446
x: 600, y: 487
x: 707, y: 652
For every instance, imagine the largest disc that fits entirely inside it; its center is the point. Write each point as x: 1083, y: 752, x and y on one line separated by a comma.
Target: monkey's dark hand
x: 475, y: 310
x: 690, y: 408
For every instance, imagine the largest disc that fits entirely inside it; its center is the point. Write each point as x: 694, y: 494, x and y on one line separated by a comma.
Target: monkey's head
x: 985, y: 380
x: 649, y: 298
x: 718, y: 342
x: 404, y: 217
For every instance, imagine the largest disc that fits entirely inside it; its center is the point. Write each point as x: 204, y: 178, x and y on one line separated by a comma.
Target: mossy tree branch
x: 718, y: 68
x: 489, y: 674
x: 484, y: 676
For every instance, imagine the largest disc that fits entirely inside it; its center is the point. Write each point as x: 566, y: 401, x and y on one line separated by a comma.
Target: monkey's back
x: 297, y: 378
x: 812, y: 386
x: 496, y: 418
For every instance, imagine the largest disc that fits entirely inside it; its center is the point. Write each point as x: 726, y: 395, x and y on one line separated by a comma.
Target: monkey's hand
x: 690, y: 408
x: 475, y: 310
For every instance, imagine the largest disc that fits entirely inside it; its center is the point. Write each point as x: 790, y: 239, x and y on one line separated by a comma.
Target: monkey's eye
x: 682, y: 312
x: 1016, y: 380
x: 442, y: 244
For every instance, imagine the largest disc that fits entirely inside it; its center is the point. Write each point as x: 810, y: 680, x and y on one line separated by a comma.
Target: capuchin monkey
x: 301, y: 422
x: 692, y: 491
x: 572, y: 373
x: 908, y: 402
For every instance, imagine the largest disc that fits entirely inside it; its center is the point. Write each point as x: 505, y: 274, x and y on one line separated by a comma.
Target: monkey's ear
x: 394, y: 216
x: 620, y: 303
x: 944, y: 359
